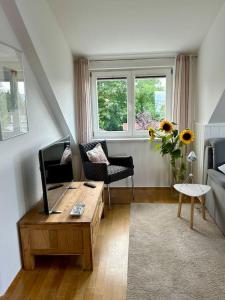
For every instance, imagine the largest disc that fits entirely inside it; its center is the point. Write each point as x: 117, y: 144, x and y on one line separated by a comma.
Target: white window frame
x: 130, y: 75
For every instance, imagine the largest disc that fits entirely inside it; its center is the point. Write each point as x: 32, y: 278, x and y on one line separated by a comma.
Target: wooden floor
x: 142, y: 195
x: 62, y: 278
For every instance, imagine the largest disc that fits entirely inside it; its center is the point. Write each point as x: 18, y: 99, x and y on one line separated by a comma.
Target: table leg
x: 202, y: 201
x: 192, y: 212
x: 103, y: 200
x: 28, y: 258
x: 179, y: 205
x: 87, y: 255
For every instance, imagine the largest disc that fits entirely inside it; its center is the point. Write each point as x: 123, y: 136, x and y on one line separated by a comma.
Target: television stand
x: 62, y: 234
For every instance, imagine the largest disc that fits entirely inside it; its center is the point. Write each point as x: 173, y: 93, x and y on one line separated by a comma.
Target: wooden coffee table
x: 194, y: 191
x: 62, y: 234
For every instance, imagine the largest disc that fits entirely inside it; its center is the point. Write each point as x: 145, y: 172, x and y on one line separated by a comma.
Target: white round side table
x: 194, y: 191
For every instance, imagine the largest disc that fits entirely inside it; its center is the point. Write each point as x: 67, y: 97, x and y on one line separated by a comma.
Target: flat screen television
x: 56, y: 172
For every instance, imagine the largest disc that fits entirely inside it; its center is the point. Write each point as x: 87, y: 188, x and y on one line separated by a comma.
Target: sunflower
x: 151, y: 132
x: 186, y: 136
x: 166, y: 126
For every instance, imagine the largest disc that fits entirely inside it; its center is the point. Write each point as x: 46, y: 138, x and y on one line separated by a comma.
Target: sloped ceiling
x: 110, y: 27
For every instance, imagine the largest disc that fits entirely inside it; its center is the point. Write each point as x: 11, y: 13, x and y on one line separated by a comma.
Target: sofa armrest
x: 217, y: 177
x: 125, y: 161
x: 95, y: 171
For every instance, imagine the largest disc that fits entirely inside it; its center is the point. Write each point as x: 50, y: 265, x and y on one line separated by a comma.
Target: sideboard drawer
x: 63, y: 240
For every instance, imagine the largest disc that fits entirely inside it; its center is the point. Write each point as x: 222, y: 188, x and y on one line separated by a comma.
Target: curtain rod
x: 114, y: 58
x: 127, y: 58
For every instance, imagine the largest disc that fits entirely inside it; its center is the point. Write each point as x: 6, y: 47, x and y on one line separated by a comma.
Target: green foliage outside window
x: 112, y: 103
x: 4, y: 109
x: 7, y: 107
x: 146, y: 103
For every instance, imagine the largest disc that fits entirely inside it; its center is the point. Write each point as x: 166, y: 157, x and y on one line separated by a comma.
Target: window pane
x: 112, y: 104
x: 5, y: 103
x: 150, y: 101
x: 13, y: 114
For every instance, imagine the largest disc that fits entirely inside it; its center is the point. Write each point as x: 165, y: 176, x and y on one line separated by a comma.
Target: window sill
x: 131, y: 139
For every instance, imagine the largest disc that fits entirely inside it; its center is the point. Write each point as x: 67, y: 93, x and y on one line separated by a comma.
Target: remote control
x: 90, y: 184
x: 54, y: 187
x: 77, y: 210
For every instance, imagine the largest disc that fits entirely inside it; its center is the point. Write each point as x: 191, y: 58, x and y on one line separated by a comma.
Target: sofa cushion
x: 222, y: 168
x: 118, y: 172
x: 97, y: 155
x: 217, y: 177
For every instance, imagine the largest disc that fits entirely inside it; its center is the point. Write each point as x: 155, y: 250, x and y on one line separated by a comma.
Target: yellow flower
x: 166, y: 126
x: 187, y: 136
x: 151, y: 132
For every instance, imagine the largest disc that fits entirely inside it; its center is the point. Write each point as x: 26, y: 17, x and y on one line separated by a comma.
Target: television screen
x: 56, y: 172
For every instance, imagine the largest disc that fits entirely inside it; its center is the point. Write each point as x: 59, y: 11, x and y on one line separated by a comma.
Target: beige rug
x: 168, y: 260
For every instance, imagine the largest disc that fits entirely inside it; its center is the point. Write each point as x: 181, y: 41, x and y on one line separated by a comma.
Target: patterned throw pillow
x: 97, y: 155
x: 222, y: 168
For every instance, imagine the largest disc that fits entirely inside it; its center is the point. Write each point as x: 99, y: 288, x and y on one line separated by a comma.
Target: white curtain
x: 83, y: 106
x: 181, y: 104
x: 192, y: 91
x: 84, y: 117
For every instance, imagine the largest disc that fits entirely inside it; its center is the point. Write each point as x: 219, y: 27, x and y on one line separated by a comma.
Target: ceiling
x: 120, y: 27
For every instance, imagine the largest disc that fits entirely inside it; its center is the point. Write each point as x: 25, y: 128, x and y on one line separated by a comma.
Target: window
x: 112, y: 104
x: 126, y: 103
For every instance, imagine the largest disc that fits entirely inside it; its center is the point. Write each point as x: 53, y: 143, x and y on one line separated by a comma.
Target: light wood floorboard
x: 62, y: 278
x: 123, y: 195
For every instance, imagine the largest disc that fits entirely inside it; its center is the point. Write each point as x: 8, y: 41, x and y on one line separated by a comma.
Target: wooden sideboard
x: 62, y: 234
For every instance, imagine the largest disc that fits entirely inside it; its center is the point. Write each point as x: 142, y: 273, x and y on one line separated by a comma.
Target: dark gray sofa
x: 215, y: 199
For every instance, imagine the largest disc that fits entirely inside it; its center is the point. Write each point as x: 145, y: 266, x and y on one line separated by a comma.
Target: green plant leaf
x: 176, y: 153
x: 175, y: 132
x: 168, y: 137
x: 157, y: 146
x: 181, y: 144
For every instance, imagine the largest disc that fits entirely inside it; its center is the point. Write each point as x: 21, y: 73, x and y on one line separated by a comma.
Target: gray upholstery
x: 218, y: 146
x: 115, y: 172
x: 217, y: 176
x: 215, y: 199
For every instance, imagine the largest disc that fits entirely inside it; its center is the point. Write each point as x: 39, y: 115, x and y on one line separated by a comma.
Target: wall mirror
x: 13, y: 111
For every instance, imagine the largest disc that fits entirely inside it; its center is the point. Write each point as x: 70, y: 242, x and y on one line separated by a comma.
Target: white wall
x: 210, y: 104
x: 150, y: 168
x: 53, y: 53
x: 211, y: 70
x: 20, y: 184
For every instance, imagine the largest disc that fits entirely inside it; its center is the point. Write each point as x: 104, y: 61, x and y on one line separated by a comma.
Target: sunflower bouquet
x: 172, y: 142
